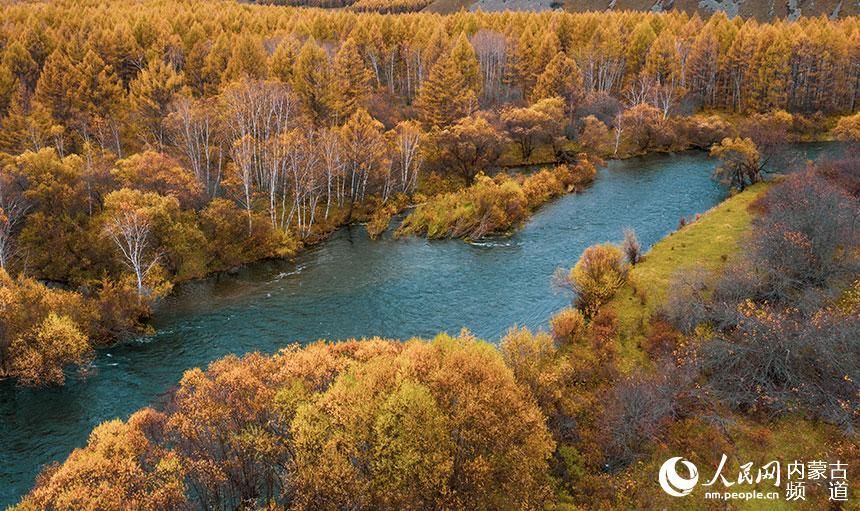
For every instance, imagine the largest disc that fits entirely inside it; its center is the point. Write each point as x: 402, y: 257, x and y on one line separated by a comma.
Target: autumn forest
x: 149, y: 144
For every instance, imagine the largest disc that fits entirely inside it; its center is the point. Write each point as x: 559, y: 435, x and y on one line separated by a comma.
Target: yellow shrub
x: 597, y: 276
x: 568, y: 325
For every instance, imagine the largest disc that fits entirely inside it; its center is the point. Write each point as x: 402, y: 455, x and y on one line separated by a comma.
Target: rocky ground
x: 760, y: 9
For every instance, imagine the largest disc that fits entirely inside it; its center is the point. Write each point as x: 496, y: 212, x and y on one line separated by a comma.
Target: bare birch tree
x: 130, y: 229
x: 12, y: 210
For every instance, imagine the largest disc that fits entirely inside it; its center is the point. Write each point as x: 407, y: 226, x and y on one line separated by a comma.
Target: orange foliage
x: 371, y: 424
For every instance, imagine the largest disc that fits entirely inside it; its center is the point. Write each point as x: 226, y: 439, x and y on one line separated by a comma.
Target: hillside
x: 762, y: 10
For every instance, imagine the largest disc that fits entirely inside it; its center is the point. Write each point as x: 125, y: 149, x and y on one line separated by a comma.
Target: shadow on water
x: 348, y: 287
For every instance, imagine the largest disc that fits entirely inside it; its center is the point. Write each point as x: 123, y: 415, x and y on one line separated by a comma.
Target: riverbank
x: 497, y: 205
x: 351, y: 287
x: 327, y: 295
x: 709, y: 241
x: 666, y: 401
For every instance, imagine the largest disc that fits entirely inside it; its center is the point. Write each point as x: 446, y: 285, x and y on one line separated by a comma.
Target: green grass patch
x: 708, y: 242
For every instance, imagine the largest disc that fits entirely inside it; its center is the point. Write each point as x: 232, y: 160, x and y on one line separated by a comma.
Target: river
x: 351, y: 286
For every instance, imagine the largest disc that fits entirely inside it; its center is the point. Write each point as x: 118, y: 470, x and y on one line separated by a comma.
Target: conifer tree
x: 54, y: 89
x: 561, y: 78
x: 215, y: 63
x: 19, y: 132
x: 20, y: 63
x: 282, y: 61
x: 150, y: 95
x: 100, y: 87
x: 352, y: 80
x: 466, y: 61
x: 248, y: 60
x: 523, y: 72
x: 662, y: 64
x: 445, y: 96
x: 312, y: 81
x: 637, y: 48
x: 772, y: 69
x: 436, y: 47
x: 8, y: 86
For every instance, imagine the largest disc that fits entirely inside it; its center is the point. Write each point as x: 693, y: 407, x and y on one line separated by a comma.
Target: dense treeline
x: 353, y: 425
x: 550, y: 420
x: 383, y: 6
x: 151, y: 143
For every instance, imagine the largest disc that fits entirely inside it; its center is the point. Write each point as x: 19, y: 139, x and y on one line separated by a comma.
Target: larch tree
x: 662, y: 62
x: 445, y: 96
x: 55, y: 89
x: 364, y: 152
x: 464, y: 57
x: 214, y: 63
x: 103, y: 114
x: 523, y: 70
x: 547, y: 50
x: 771, y: 66
x: 312, y: 81
x: 561, y: 78
x: 248, y: 60
x: 704, y: 65
x: 20, y: 63
x: 640, y: 42
x: 351, y: 79
x: 283, y: 59
x: 150, y: 96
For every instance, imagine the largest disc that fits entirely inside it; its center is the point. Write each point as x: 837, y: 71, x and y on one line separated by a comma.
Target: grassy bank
x: 494, y: 205
x: 709, y: 242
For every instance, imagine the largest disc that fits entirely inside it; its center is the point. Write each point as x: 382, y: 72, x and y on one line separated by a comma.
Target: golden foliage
x: 370, y: 424
x: 599, y: 273
x: 494, y: 205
